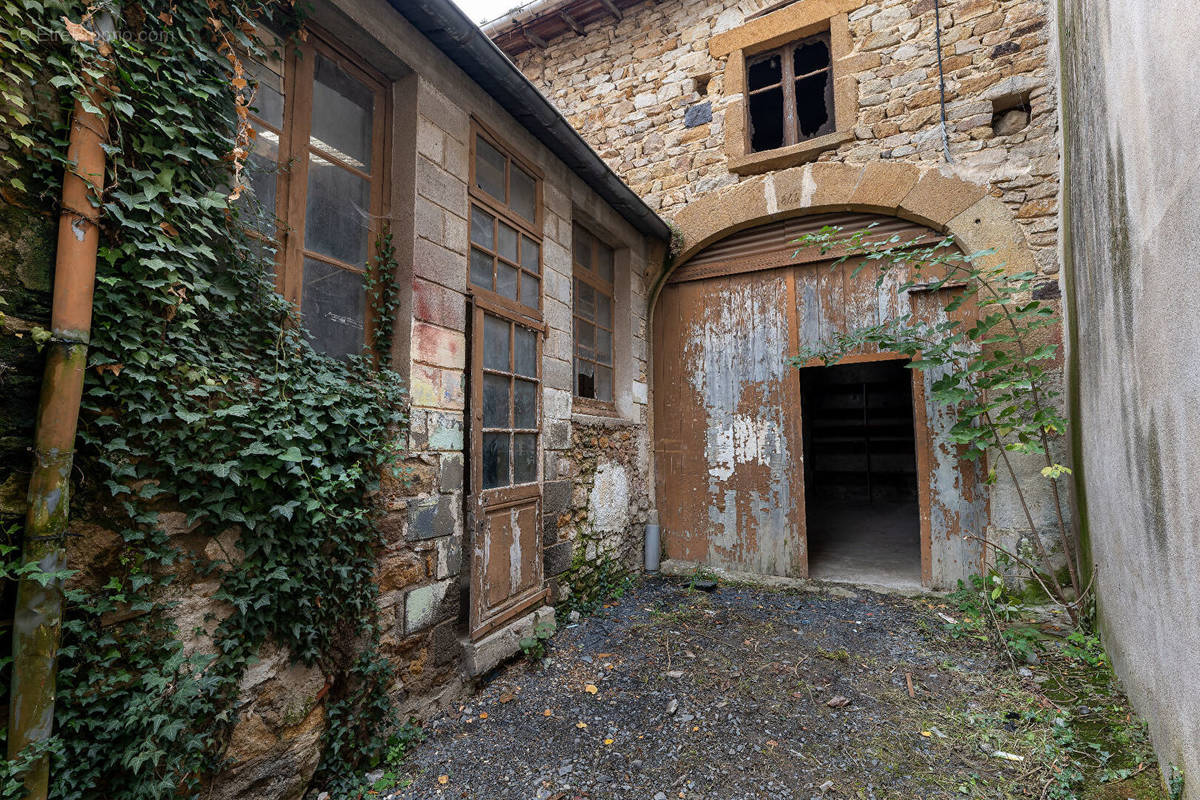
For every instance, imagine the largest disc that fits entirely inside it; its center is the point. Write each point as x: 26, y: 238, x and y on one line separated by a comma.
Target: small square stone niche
x: 1011, y: 114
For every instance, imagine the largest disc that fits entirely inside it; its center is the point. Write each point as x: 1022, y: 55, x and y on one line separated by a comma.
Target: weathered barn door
x: 728, y: 410
x: 727, y: 435
x: 506, y: 492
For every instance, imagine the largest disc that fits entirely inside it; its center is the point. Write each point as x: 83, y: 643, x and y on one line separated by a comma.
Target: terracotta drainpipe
x: 37, y: 625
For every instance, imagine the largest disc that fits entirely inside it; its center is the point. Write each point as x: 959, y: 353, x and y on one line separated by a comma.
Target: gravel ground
x: 739, y: 693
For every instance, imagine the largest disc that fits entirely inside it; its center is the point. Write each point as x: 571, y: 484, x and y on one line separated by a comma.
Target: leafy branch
x: 989, y: 353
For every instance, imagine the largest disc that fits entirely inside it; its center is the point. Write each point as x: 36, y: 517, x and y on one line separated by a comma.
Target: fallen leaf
x: 591, y: 688
x: 443, y: 779
x: 483, y: 715
x: 78, y: 32
x: 926, y: 733
x: 605, y: 655
x: 507, y: 697
x: 547, y: 713
x: 608, y: 741
x: 580, y: 724
x: 837, y: 701
x: 772, y: 743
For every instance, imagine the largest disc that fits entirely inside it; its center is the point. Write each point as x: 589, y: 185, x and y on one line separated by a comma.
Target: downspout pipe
x: 37, y: 624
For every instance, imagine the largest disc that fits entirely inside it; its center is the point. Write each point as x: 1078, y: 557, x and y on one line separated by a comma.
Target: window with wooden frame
x: 593, y: 319
x: 790, y: 94
x: 506, y: 288
x: 319, y: 165
x: 790, y: 76
x: 506, y: 240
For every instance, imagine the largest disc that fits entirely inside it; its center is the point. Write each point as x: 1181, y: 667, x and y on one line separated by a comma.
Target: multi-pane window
x: 317, y: 167
x: 593, y: 316
x: 506, y: 285
x: 504, y: 260
x: 510, y: 403
x: 790, y: 94
x: 506, y: 250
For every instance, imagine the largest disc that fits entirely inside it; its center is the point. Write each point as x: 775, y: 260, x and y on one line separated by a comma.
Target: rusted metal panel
x: 727, y: 405
x: 955, y: 492
x: 728, y: 446
x: 774, y: 244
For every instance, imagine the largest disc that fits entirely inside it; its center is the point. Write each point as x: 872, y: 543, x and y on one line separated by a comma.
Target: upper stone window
x: 793, y: 94
x: 790, y: 94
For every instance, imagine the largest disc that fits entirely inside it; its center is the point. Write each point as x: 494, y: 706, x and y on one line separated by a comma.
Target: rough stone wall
x: 1130, y: 119
x: 599, y: 512
x: 647, y: 94
x: 629, y: 86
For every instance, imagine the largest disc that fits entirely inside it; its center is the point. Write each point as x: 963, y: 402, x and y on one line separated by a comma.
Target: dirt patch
x: 754, y: 693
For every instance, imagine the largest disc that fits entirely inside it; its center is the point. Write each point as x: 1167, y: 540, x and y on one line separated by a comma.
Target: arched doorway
x: 839, y: 472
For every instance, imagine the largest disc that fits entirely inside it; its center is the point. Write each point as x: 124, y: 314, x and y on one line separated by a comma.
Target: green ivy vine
x: 204, y: 396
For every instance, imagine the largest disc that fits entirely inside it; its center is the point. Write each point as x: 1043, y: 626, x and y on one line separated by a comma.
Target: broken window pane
x: 810, y: 56
x: 766, y: 120
x: 812, y: 112
x: 585, y: 382
x: 764, y: 72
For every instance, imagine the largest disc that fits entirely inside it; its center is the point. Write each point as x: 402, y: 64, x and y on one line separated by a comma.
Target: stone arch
x: 927, y: 195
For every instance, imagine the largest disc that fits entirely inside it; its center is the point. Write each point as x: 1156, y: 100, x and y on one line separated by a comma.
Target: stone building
x: 527, y: 454
x: 748, y: 123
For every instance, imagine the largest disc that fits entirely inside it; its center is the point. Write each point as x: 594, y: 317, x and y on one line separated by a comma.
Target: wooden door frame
x: 480, y: 500
x: 922, y: 440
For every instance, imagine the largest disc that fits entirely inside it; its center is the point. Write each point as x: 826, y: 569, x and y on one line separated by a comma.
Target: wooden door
x: 506, y: 490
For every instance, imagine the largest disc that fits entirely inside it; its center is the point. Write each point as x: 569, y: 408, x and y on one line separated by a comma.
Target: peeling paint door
x: 506, y: 490
x: 728, y: 433
x: 727, y: 420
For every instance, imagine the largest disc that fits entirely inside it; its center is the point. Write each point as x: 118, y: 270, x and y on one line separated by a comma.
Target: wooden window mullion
x: 791, y: 115
x: 300, y: 130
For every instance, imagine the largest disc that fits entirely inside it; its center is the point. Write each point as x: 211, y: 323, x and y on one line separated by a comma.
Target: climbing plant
x: 988, y: 354
x: 204, y: 396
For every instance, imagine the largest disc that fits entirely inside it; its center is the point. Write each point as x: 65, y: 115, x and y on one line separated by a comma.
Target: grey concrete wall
x: 1131, y: 116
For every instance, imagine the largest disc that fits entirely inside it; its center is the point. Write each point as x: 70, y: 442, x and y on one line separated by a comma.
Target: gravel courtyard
x: 754, y: 693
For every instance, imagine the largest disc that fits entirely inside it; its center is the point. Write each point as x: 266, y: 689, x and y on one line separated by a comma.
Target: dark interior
x: 860, y: 473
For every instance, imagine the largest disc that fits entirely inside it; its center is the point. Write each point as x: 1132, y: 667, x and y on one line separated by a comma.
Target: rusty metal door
x: 727, y: 426
x: 728, y: 411
x: 506, y: 490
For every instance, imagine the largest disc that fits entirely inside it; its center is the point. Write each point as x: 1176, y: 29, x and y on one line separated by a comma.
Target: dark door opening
x: 860, y: 474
